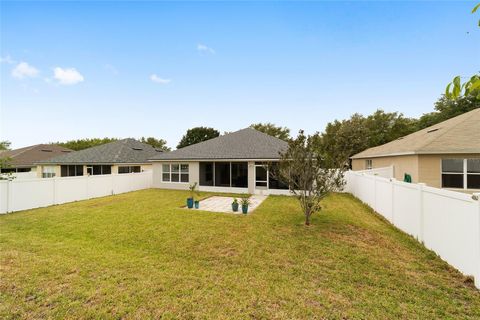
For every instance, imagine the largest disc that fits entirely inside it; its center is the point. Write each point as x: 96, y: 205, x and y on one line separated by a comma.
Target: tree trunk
x: 307, y: 218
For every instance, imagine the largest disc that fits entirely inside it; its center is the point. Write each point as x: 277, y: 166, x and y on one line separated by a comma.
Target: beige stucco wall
x: 401, y: 165
x: 193, y: 171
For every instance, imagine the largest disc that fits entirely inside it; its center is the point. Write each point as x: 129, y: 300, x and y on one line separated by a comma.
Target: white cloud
x: 7, y: 59
x: 67, y: 76
x: 24, y: 70
x: 157, y: 79
x: 205, y: 49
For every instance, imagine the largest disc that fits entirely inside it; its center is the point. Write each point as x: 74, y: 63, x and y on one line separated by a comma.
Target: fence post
x: 8, y: 196
x: 422, y: 211
x: 375, y: 193
x: 393, y: 199
x: 476, y: 196
x: 54, y: 190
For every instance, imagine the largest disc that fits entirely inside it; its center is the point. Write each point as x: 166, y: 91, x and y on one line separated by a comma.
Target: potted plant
x: 235, y: 205
x: 193, y: 192
x: 245, y: 203
x: 197, y: 204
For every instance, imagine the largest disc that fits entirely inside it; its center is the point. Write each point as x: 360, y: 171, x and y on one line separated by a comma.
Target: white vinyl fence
x: 26, y: 194
x: 444, y: 221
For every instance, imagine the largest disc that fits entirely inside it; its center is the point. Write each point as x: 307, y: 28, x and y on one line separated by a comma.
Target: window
x: 461, y: 173
x: 99, y: 169
x: 129, y: 169
x: 48, y: 172
x: 175, y: 173
x: 473, y: 173
x: 239, y: 174
x: 222, y: 174
x: 71, y: 170
x: 206, y: 173
x: 368, y: 164
x: 24, y: 169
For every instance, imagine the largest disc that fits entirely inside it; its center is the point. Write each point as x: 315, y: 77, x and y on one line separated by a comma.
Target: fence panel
x: 25, y: 194
x: 446, y: 222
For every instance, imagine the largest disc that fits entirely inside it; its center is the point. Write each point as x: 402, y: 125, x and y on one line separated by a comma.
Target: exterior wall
x: 143, y: 167
x: 251, y: 177
x: 401, y: 164
x: 430, y: 167
x: 193, y: 176
x: 39, y: 169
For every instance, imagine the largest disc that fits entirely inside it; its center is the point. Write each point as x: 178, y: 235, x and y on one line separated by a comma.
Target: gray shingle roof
x: 121, y: 151
x: 460, y: 134
x: 27, y: 156
x: 243, y: 144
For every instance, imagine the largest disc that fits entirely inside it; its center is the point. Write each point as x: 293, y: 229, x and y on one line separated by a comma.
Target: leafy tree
x: 303, y: 168
x: 456, y: 88
x: 446, y: 108
x: 196, y: 135
x: 156, y: 143
x: 5, y: 145
x: 342, y: 139
x: 272, y: 130
x: 81, y: 144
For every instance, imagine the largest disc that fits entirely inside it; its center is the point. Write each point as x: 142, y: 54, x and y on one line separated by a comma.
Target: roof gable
x: 243, y: 144
x: 460, y: 134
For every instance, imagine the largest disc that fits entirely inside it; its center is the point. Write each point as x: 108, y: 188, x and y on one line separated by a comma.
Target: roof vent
x: 66, y: 151
x: 47, y: 150
x: 400, y: 138
x: 136, y: 148
x: 433, y: 130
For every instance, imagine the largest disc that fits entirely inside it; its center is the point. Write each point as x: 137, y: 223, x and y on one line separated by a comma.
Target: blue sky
x: 76, y: 70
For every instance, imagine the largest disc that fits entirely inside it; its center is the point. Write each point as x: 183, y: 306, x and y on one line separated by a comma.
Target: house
x: 240, y: 162
x: 445, y: 155
x: 23, y: 160
x: 122, y: 156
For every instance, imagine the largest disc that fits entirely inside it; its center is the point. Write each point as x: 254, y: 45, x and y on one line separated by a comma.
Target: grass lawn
x: 138, y: 255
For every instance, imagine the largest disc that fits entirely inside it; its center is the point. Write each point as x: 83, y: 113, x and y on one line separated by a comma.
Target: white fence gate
x: 26, y: 194
x: 444, y: 221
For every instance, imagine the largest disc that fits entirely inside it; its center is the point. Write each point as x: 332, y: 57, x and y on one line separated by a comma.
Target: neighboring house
x: 122, y: 156
x: 22, y: 161
x: 445, y: 155
x: 236, y: 162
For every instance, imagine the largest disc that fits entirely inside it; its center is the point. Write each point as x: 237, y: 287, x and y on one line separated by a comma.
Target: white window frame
x: 48, y: 172
x: 464, y: 172
x: 180, y: 172
x: 368, y: 164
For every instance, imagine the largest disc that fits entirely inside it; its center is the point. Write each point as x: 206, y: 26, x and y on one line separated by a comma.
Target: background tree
x: 5, y: 145
x: 159, y: 144
x: 342, y: 139
x: 446, y: 108
x: 303, y: 168
x: 196, y: 135
x: 272, y: 130
x: 81, y: 144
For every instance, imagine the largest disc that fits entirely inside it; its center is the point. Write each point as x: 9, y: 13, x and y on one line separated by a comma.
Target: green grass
x: 139, y: 255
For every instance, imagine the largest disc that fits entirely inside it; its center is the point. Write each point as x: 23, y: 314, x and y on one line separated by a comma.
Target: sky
x: 72, y: 70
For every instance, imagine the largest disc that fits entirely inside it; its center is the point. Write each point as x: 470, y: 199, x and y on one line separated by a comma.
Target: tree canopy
x: 5, y: 145
x: 272, y: 130
x: 80, y: 144
x: 196, y: 135
x: 344, y: 138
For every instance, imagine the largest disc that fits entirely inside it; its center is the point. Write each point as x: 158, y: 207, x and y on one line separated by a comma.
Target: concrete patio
x: 224, y: 204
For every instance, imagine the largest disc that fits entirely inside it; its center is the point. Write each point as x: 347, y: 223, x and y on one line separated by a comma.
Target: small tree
x: 303, y: 168
x: 159, y: 144
x: 196, y: 135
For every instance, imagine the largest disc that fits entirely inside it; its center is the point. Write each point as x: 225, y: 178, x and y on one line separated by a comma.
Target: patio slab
x: 224, y: 204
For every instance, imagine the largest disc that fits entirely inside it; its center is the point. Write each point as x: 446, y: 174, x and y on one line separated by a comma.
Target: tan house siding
x: 401, y: 165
